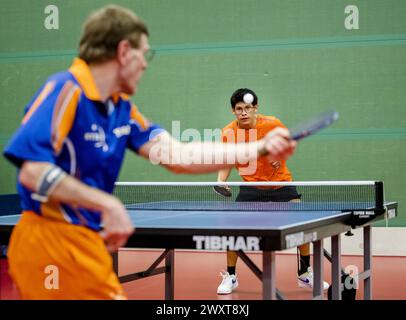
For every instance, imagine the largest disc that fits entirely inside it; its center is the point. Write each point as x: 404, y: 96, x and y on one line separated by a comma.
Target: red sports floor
x: 197, y: 277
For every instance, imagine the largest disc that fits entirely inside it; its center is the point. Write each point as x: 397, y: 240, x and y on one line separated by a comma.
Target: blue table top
x: 217, y: 215
x: 253, y: 220
x: 160, y: 226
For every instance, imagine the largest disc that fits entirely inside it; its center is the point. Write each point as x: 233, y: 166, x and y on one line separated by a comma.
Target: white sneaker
x: 228, y: 284
x: 305, y: 280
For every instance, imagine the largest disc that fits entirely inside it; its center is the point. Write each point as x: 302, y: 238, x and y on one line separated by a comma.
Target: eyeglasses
x: 247, y: 109
x: 149, y: 55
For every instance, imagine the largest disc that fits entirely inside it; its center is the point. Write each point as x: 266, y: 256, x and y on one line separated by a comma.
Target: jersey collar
x: 81, y: 71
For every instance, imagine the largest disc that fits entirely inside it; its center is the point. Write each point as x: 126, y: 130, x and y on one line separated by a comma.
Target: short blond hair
x: 105, y: 28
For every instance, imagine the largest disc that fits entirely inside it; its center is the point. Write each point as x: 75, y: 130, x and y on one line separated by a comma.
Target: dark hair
x: 238, y: 96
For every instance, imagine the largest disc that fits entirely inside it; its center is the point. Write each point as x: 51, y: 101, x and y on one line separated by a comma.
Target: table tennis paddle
x: 313, y: 125
x: 223, y: 191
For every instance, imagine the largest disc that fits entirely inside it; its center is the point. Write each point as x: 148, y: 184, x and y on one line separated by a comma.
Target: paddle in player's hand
x: 223, y: 191
x: 313, y: 125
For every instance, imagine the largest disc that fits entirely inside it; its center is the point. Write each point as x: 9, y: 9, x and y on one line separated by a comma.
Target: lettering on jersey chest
x: 101, y: 139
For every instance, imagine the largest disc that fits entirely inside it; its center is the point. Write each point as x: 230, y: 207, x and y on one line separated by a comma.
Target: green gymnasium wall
x: 296, y: 54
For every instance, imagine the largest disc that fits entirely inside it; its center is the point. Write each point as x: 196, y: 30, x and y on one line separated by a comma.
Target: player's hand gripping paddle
x: 313, y: 125
x: 223, y: 191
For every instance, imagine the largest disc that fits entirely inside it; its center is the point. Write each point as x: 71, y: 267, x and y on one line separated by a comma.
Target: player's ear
x: 123, y: 48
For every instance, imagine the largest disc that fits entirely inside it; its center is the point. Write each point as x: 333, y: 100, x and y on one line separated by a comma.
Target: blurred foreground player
x: 69, y: 150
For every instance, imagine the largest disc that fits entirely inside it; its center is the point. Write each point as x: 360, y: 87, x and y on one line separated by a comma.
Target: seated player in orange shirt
x: 247, y: 127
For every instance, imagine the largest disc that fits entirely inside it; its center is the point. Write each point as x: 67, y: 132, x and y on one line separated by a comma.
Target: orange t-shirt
x: 261, y: 170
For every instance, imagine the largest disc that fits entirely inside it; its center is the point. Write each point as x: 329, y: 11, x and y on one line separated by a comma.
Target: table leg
x: 336, y: 267
x: 268, y: 275
x: 170, y: 275
x: 368, y: 262
x: 318, y: 269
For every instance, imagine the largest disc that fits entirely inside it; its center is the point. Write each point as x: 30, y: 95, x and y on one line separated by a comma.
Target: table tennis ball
x: 248, y: 98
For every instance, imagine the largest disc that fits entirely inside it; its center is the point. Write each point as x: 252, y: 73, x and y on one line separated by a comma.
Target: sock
x: 231, y: 270
x: 304, y: 264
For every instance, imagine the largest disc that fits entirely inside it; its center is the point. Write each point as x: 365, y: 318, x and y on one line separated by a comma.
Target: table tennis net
x: 313, y: 197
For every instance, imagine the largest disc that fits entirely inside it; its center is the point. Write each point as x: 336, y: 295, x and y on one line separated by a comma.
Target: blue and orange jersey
x: 67, y: 124
x: 263, y: 170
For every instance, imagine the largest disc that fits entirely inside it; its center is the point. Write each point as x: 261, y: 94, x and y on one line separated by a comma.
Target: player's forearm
x: 205, y: 157
x: 68, y: 190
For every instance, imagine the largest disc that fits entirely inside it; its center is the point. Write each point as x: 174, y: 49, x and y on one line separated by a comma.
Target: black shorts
x: 283, y: 194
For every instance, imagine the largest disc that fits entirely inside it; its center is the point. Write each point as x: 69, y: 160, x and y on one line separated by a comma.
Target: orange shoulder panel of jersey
x: 64, y: 114
x: 137, y: 116
x: 117, y: 96
x: 41, y: 97
x: 82, y: 74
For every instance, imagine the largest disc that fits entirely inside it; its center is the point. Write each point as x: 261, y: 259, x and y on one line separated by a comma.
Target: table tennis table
x: 171, y: 225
